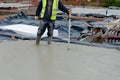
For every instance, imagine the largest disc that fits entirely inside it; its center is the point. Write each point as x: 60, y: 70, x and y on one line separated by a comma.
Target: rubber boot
x: 38, y: 40
x: 49, y: 40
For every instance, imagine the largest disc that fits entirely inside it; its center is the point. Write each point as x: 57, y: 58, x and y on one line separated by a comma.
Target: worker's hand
x: 68, y: 14
x: 36, y: 18
x: 69, y: 11
x: 67, y: 17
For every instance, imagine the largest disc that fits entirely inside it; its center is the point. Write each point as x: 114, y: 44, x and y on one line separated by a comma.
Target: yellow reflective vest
x: 54, y: 9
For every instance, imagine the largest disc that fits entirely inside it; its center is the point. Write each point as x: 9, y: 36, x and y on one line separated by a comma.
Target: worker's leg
x: 40, y: 32
x: 50, y: 31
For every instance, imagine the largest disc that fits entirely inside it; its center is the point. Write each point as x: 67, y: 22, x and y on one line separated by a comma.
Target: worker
x: 46, y: 12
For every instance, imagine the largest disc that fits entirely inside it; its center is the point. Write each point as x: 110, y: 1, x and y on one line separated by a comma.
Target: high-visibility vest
x: 54, y: 9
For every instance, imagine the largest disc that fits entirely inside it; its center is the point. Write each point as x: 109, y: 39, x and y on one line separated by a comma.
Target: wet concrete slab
x: 23, y: 60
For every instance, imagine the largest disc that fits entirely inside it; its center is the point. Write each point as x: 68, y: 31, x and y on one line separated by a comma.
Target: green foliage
x: 112, y: 3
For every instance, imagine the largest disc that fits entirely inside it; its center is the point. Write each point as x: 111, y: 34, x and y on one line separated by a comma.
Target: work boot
x: 38, y: 40
x: 49, y: 40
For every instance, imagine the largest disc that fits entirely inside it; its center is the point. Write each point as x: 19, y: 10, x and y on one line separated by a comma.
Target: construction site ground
x: 23, y: 60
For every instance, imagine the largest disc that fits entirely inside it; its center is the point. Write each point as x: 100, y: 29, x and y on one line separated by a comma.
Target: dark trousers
x: 49, y: 25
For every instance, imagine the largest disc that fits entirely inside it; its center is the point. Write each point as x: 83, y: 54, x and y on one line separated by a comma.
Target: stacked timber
x: 113, y: 35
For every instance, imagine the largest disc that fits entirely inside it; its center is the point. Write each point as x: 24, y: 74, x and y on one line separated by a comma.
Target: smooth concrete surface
x: 22, y: 60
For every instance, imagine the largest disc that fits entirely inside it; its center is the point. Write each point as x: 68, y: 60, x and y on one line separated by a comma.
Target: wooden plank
x: 86, y: 18
x: 111, y: 23
x: 2, y: 17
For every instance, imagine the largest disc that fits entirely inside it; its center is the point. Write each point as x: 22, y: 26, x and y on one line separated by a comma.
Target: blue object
x: 107, y: 12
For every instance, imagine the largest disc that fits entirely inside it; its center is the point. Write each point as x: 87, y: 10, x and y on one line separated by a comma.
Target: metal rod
x: 69, y: 28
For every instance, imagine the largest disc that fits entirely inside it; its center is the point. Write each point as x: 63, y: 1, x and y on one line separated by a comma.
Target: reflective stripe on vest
x: 54, y: 9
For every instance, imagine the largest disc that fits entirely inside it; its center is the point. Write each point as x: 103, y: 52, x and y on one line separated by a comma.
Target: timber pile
x: 3, y: 14
x: 113, y: 35
x: 27, y: 8
x: 2, y: 17
x: 87, y: 18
